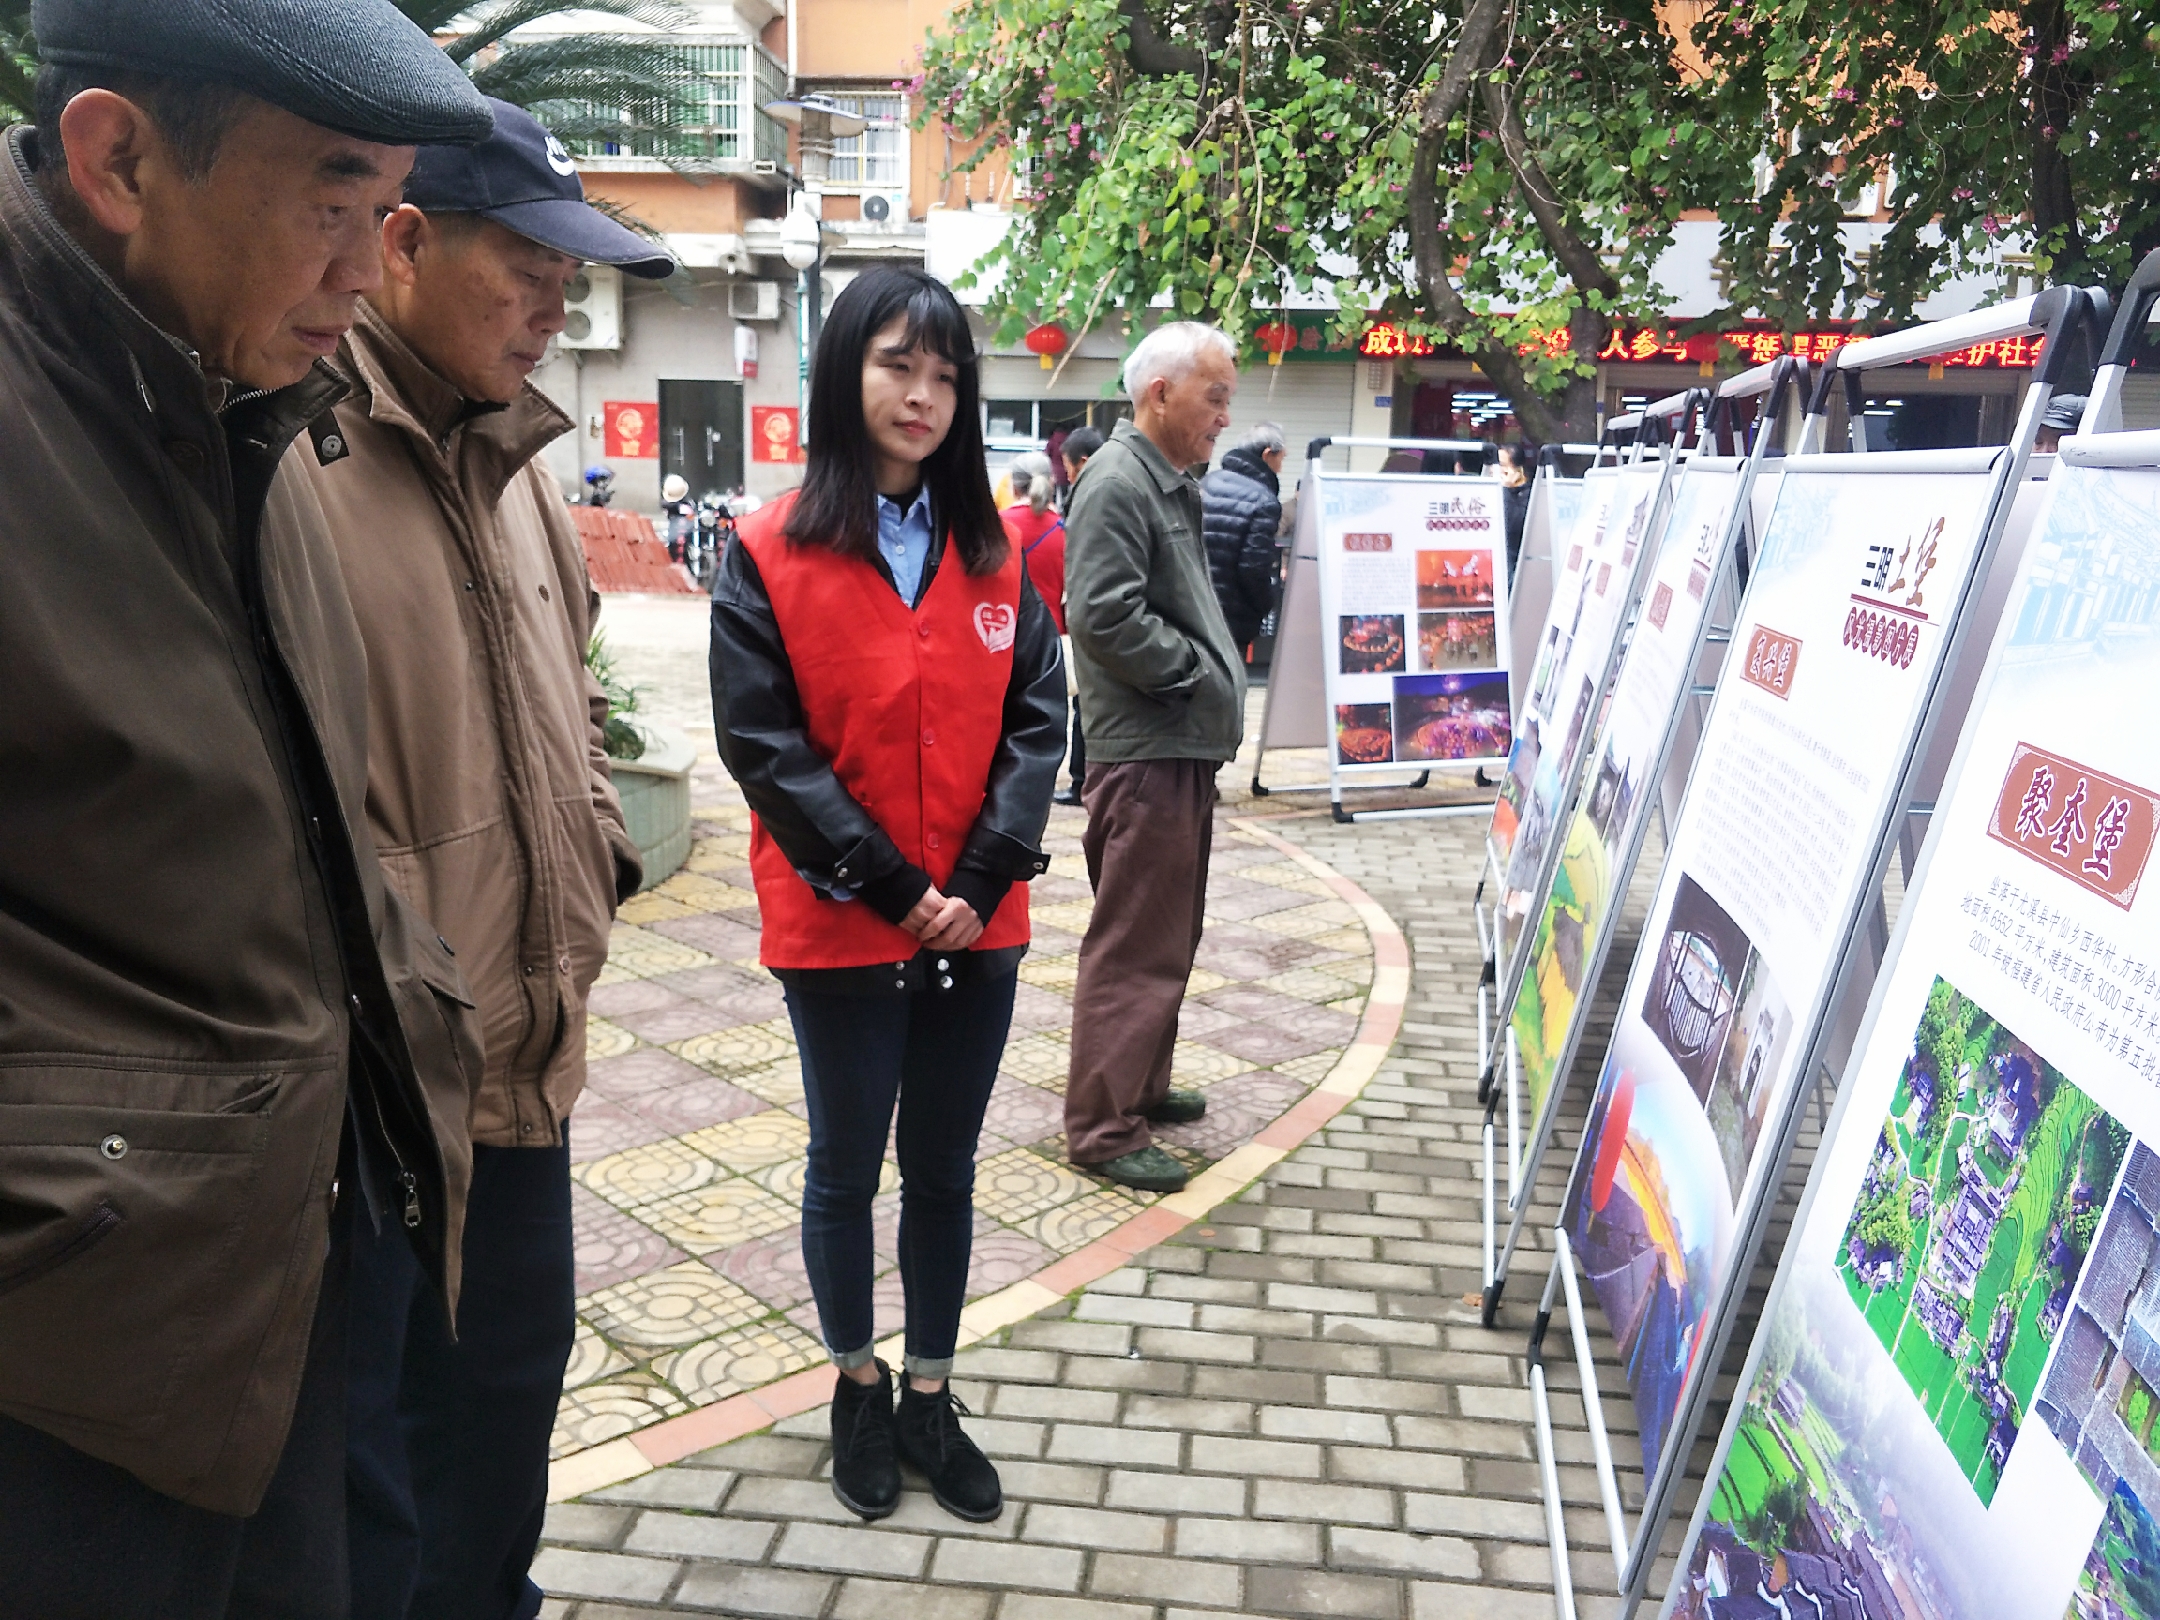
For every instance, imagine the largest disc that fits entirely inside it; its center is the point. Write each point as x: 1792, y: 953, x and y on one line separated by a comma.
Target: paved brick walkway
x: 1289, y: 1409
x: 694, y: 1314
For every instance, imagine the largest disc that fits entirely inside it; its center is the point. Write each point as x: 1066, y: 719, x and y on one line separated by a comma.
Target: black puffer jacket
x: 1244, y: 509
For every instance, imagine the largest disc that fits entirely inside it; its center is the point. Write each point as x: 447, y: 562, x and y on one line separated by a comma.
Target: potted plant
x: 650, y: 765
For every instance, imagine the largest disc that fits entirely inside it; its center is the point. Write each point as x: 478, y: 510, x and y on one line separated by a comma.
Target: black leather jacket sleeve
x: 825, y: 834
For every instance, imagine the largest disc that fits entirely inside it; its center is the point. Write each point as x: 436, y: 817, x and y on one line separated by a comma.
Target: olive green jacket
x: 1159, y: 675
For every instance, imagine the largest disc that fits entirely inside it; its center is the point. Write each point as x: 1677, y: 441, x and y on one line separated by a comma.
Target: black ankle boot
x: 865, y: 1471
x: 961, y: 1477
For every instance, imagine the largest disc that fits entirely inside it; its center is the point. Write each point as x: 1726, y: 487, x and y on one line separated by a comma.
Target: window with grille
x: 716, y: 110
x: 878, y: 156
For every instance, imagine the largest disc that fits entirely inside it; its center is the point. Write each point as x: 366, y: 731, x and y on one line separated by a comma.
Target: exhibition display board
x: 1414, y: 620
x: 1595, y: 581
x: 1950, y: 1407
x: 1857, y: 611
x: 1763, y: 873
x: 1652, y: 698
x: 1550, y: 517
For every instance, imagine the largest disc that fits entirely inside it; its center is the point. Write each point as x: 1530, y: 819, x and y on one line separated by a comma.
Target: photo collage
x: 1418, y: 672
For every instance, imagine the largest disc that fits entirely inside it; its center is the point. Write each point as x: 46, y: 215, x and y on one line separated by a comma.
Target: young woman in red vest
x: 889, y: 695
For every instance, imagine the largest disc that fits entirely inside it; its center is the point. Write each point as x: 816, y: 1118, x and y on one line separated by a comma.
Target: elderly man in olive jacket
x: 221, y: 1041
x: 1162, y: 704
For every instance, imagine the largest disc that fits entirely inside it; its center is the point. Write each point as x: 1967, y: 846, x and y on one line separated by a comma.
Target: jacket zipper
x: 407, y: 1182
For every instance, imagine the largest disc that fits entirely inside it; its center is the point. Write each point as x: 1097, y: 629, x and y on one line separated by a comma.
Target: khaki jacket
x: 196, y: 948
x: 1159, y: 676
x: 488, y: 788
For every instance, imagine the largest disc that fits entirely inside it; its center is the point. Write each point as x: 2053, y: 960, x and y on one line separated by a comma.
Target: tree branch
x: 1576, y: 257
x: 1472, y: 57
x: 1149, y: 52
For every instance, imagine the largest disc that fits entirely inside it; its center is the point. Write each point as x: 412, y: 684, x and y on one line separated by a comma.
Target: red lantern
x: 1047, y: 340
x: 1278, y: 338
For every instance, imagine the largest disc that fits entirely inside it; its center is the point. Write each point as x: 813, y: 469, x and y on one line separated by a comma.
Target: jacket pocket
x: 62, y: 1247
x: 122, y: 1231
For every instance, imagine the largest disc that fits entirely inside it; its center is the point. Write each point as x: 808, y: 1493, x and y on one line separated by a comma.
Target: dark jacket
x: 1244, y: 512
x: 1159, y: 676
x: 827, y: 836
x: 195, y: 942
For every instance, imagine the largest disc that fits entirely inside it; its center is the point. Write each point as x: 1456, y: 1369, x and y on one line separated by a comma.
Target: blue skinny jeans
x: 936, y: 1054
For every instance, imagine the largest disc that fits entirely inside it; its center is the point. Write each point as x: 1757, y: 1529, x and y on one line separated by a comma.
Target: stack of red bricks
x: 622, y: 553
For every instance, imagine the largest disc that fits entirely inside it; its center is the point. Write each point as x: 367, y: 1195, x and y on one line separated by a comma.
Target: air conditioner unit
x: 885, y: 207
x: 593, y: 303
x: 754, y: 300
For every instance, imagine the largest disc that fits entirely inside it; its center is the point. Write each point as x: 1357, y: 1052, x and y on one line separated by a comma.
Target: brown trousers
x: 1150, y: 826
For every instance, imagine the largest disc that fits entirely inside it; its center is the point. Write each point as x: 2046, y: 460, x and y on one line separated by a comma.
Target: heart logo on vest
x: 994, y: 623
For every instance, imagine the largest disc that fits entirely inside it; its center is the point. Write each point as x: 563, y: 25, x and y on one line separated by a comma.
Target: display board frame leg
x: 1561, y: 1280
x: 1495, y: 1273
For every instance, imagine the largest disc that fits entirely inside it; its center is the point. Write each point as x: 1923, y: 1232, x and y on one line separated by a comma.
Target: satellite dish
x: 876, y: 209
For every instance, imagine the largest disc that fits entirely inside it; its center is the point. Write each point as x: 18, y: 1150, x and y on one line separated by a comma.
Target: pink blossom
x: 1962, y: 194
x: 2062, y: 55
x: 1072, y: 136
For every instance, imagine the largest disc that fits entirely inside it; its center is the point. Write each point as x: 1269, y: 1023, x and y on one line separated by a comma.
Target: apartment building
x: 700, y: 376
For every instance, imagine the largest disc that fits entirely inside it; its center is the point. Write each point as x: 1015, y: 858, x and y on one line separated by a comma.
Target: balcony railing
x: 716, y: 114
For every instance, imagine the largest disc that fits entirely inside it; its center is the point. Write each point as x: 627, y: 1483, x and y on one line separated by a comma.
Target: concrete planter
x: 655, y: 792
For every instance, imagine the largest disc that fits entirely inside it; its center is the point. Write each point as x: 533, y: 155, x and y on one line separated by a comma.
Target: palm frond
x: 608, y: 69
x: 492, y: 24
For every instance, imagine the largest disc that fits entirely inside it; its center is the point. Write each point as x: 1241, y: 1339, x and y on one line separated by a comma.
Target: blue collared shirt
x: 904, y: 541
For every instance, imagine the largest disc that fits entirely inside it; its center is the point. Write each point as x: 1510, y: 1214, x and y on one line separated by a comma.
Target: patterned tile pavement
x: 688, y: 1148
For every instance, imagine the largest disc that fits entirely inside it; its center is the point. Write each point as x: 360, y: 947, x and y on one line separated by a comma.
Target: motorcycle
x: 708, y: 536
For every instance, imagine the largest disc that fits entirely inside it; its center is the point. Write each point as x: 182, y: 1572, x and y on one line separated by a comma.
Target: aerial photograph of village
x: 2100, y: 1397
x: 1973, y: 1224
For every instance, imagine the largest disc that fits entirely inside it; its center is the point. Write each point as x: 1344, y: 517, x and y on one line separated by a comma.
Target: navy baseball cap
x: 358, y: 66
x: 525, y: 180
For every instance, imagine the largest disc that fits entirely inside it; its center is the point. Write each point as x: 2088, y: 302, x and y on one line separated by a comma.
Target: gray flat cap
x: 355, y: 66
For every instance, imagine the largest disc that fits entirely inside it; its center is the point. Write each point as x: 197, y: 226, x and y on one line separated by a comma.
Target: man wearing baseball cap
x: 224, y: 1046
x: 489, y: 796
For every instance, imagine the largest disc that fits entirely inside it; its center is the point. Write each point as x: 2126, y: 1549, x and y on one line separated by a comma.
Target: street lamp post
x: 802, y: 244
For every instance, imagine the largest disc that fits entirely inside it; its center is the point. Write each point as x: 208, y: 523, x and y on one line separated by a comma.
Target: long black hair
x: 838, y: 504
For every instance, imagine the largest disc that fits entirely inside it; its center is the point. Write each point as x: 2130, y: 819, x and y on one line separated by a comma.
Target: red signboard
x: 775, y: 434
x: 630, y: 429
x: 2093, y: 828
x: 1384, y: 340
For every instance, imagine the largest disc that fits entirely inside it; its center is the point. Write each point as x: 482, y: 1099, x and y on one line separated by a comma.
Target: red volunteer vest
x: 908, y: 707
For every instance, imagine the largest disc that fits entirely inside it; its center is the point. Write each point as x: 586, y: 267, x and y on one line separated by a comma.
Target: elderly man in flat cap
x: 490, y: 801
x: 223, y: 1044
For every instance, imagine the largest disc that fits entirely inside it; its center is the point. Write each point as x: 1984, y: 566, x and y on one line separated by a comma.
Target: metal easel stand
x: 1777, y: 379
x: 1513, y: 1091
x: 1561, y: 1278
x: 1506, y: 986
x: 2057, y: 310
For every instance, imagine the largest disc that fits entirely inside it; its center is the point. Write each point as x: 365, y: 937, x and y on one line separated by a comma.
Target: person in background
x: 888, y: 693
x: 1513, y: 472
x: 2058, y: 422
x: 1080, y: 445
x: 599, y: 485
x: 1078, y: 449
x: 1035, y: 528
x: 490, y: 799
x: 678, y: 512
x: 1243, y: 516
x: 1162, y: 699
x: 227, y: 1047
